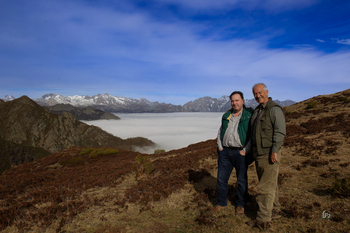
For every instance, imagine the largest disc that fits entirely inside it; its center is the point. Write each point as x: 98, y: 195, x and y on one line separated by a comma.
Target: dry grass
x: 106, y: 193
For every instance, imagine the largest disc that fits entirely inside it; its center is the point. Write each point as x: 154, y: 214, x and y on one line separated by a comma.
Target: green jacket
x: 243, y: 128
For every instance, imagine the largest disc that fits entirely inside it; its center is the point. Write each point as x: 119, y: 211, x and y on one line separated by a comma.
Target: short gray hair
x: 265, y: 88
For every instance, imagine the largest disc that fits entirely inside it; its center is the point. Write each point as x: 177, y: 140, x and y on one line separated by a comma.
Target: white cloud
x: 270, y: 5
x: 342, y: 41
x: 168, y: 130
x: 319, y: 40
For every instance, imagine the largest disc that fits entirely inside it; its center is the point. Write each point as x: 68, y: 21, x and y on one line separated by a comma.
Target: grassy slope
x: 106, y: 194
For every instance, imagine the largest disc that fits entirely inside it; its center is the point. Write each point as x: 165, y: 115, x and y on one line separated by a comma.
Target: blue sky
x: 174, y: 51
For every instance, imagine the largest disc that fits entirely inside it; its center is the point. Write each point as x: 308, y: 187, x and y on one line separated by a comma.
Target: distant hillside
x: 116, y: 104
x: 87, y: 114
x: 13, y: 154
x: 77, y: 190
x: 25, y: 122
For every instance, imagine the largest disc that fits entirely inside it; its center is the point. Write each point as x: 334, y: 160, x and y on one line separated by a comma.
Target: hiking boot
x: 217, y: 208
x: 240, y: 210
x: 276, y: 214
x: 259, y: 224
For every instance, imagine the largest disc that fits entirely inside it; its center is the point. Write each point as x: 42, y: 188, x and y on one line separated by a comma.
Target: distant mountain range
x: 117, y: 104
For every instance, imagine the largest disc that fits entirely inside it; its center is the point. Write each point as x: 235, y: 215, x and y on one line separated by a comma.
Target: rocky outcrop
x: 25, y: 122
x: 87, y: 114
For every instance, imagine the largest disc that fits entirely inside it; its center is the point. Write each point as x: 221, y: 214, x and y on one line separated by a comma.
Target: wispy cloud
x: 342, y: 41
x: 275, y: 5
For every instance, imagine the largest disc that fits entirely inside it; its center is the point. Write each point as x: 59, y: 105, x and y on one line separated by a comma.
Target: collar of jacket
x: 228, y: 114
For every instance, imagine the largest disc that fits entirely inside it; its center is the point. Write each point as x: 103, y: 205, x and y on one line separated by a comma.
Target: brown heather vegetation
x: 106, y: 193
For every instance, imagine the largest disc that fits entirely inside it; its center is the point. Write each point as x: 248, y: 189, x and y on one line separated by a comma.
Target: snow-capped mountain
x: 110, y: 103
x: 83, y: 101
x: 208, y: 104
x: 9, y: 98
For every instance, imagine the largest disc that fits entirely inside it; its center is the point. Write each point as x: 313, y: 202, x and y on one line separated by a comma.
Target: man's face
x: 260, y: 95
x: 237, y: 102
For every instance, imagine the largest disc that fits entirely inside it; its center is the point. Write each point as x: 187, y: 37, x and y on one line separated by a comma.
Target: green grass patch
x: 86, y: 151
x: 144, y: 164
x: 94, y: 153
x: 311, y: 104
x: 159, y: 151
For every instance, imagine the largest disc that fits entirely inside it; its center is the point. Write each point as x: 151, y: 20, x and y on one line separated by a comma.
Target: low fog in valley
x: 168, y: 130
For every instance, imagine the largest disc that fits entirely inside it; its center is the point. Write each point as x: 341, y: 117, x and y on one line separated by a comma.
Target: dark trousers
x: 229, y: 159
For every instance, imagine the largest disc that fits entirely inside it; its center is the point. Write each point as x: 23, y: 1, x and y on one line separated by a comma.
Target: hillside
x: 80, y: 190
x: 25, y: 123
x: 12, y: 154
x: 82, y: 114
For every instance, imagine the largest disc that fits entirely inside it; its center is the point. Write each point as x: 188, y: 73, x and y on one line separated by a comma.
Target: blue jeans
x: 229, y: 159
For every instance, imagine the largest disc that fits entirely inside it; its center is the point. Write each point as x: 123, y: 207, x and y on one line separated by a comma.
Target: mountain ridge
x: 117, y: 104
x: 88, y: 114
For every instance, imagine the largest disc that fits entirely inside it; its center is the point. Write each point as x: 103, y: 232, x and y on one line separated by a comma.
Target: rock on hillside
x: 87, y: 114
x: 25, y: 122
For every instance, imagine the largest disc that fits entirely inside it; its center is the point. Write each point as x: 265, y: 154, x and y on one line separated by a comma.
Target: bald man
x: 268, y: 132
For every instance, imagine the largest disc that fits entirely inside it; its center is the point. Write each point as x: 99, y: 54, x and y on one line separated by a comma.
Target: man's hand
x: 242, y: 152
x: 274, y: 157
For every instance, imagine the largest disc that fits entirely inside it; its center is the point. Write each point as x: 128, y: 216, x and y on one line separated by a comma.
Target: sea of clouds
x: 168, y: 130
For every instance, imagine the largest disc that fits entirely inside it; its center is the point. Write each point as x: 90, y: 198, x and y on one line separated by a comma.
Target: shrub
x: 159, y: 151
x: 75, y: 160
x: 110, y: 151
x: 64, y: 162
x: 311, y: 104
x: 86, y: 151
x: 144, y: 164
x: 96, y: 153
x: 335, y: 100
x: 341, y: 187
x: 71, y: 161
x: 93, y: 153
x: 344, y: 99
